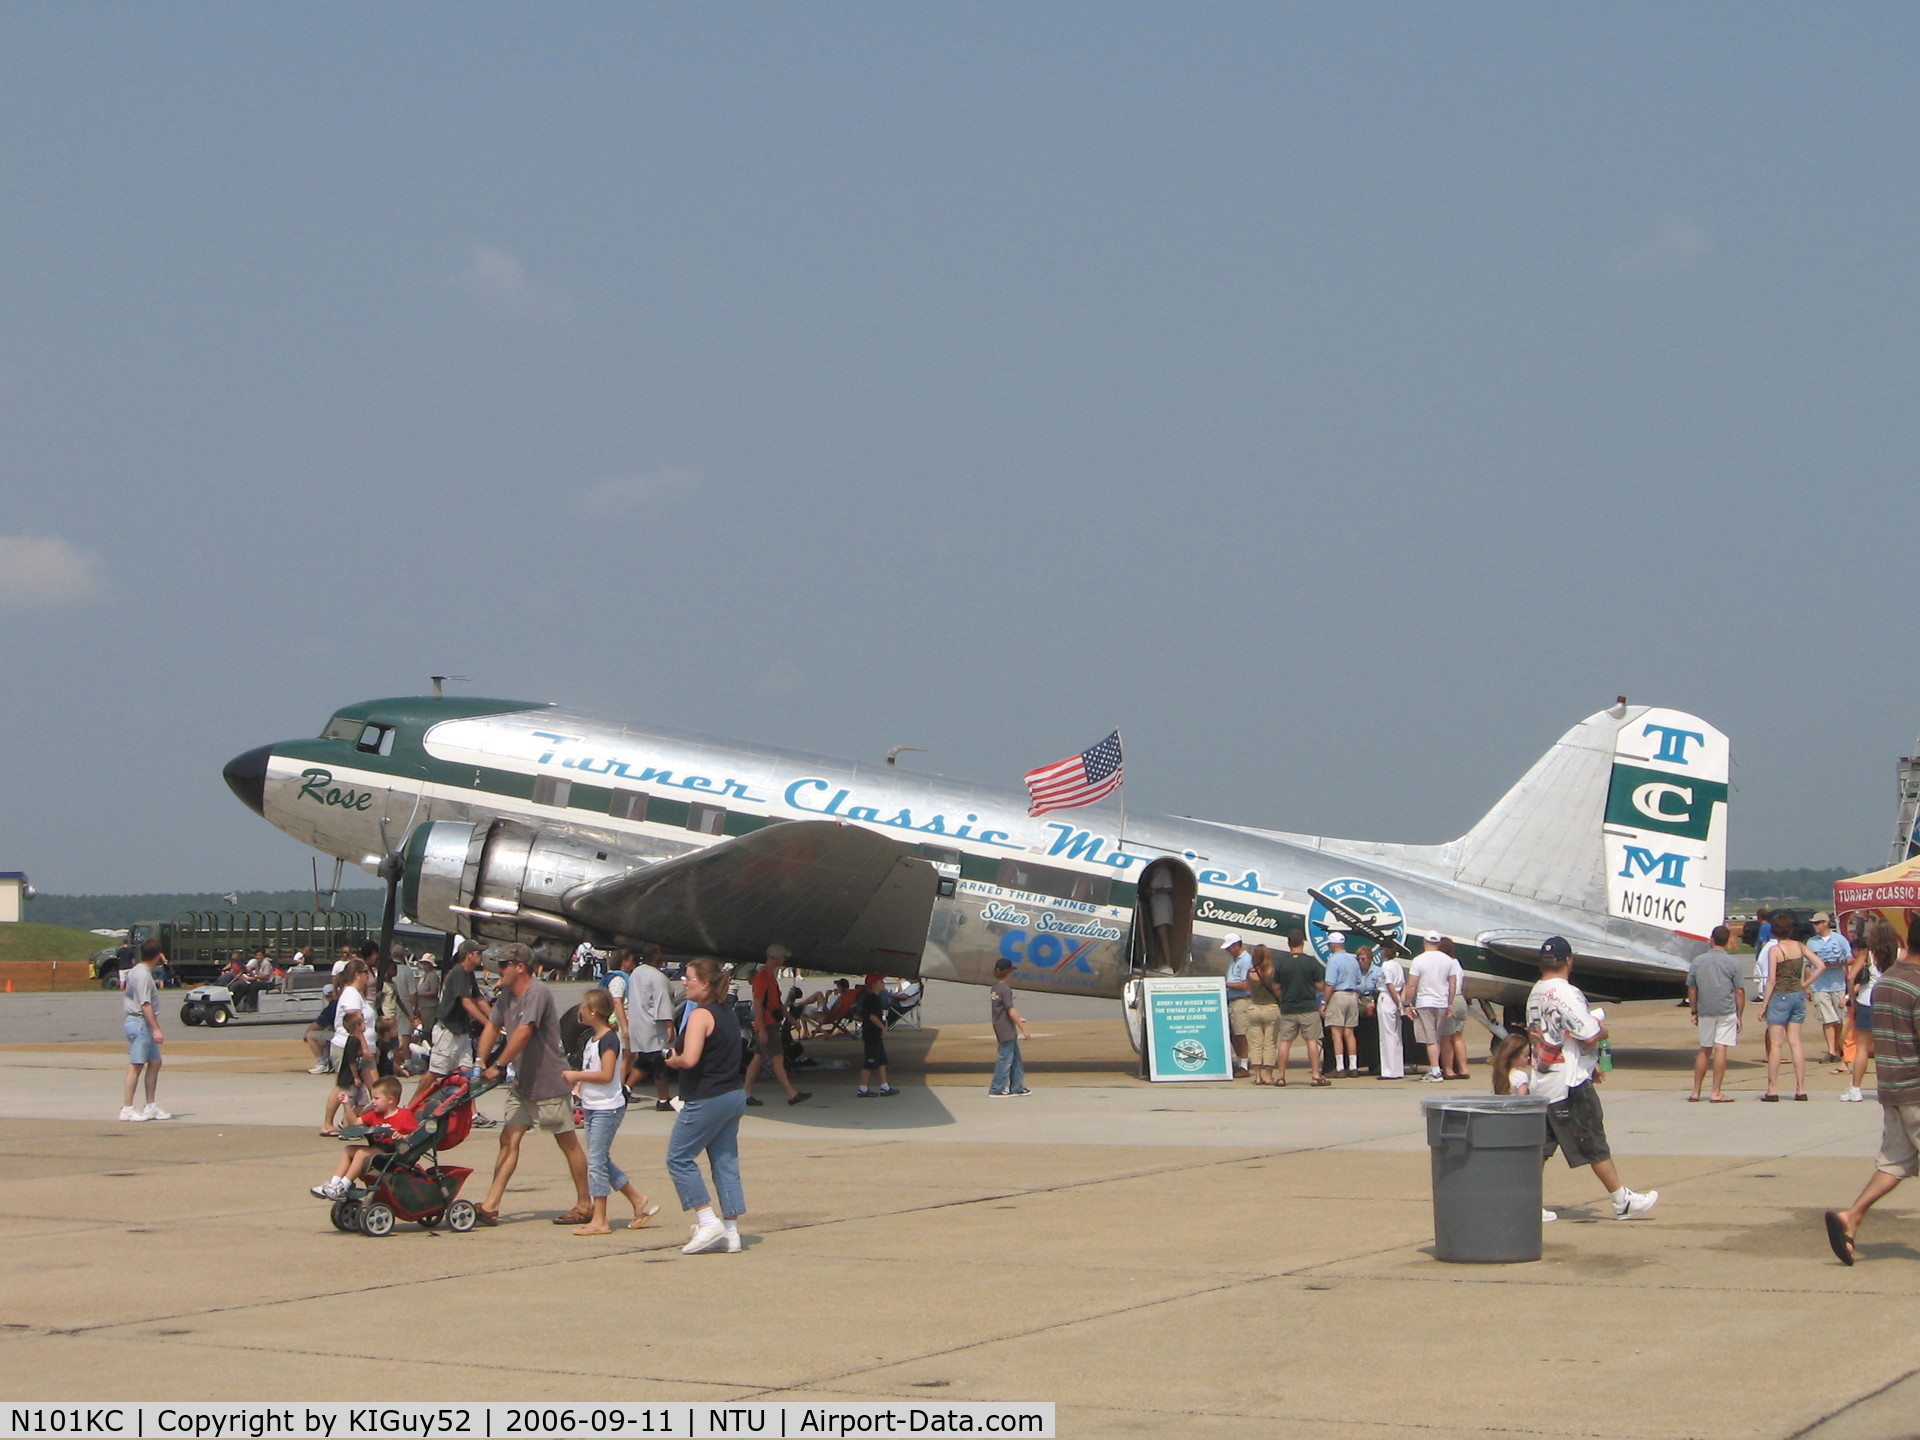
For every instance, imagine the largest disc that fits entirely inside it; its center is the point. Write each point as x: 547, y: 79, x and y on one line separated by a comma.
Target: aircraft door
x: 1162, y: 939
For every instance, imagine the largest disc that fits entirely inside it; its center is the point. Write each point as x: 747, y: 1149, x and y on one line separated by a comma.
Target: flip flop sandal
x: 1720, y: 1100
x: 329, y: 1134
x: 1693, y: 1099
x: 640, y: 1220
x: 1769, y: 1099
x: 1323, y: 1081
x: 1838, y: 1238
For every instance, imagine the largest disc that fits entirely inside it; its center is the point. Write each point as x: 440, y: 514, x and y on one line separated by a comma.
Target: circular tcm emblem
x: 1362, y: 899
x: 1189, y: 1054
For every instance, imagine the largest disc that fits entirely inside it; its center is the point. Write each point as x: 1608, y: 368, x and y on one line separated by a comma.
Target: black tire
x: 460, y: 1216
x: 218, y: 1015
x: 192, y: 1013
x: 431, y: 1220
x: 376, y: 1219
x: 346, y: 1215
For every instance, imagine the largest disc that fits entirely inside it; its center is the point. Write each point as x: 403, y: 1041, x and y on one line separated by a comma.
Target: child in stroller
x: 401, y: 1177
x: 383, y: 1113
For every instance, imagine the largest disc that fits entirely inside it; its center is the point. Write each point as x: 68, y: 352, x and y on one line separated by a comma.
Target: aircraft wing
x: 837, y: 896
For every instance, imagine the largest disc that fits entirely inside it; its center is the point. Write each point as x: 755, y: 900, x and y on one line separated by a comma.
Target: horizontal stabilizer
x: 838, y: 897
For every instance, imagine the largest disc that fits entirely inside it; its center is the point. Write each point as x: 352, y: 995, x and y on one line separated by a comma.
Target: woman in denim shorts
x: 1785, y: 1000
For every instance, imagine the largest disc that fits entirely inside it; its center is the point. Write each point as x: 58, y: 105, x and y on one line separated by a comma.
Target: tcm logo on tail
x: 1665, y: 826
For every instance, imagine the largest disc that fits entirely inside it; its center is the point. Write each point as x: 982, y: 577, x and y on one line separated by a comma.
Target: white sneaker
x: 332, y: 1188
x: 1635, y: 1204
x: 127, y: 1112
x: 733, y: 1242
x: 154, y: 1112
x: 708, y: 1235
x: 137, y: 1115
x: 676, y: 1102
x: 1433, y: 1077
x: 1549, y: 1216
x: 1853, y: 1094
x: 319, y: 1070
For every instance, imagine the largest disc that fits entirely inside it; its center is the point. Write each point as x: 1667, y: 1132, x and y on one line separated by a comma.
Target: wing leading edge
x: 837, y: 896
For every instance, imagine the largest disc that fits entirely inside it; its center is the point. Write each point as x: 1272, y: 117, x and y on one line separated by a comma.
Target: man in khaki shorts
x: 1239, y: 966
x: 526, y: 1015
x: 1303, y: 989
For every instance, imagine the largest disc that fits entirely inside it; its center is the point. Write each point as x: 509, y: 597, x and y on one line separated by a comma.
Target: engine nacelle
x: 502, y: 881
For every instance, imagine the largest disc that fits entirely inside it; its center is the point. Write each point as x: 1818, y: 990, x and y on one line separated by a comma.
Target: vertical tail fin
x: 1625, y: 816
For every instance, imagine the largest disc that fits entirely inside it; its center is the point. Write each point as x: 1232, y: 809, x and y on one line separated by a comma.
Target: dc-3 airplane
x: 510, y: 820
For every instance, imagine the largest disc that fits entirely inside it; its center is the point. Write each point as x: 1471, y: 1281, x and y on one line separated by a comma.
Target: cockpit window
x: 375, y: 740
x: 341, y: 728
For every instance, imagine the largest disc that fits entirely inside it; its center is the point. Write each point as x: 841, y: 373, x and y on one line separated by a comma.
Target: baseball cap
x: 1555, y: 948
x: 1434, y: 937
x: 1229, y: 940
x: 1821, y: 916
x: 1336, y: 937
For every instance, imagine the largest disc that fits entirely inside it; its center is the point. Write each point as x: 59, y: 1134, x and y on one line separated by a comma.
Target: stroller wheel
x: 460, y: 1216
x: 346, y: 1215
x: 431, y: 1220
x: 376, y: 1219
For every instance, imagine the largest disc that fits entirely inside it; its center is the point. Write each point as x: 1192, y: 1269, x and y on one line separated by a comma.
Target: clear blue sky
x: 1343, y: 400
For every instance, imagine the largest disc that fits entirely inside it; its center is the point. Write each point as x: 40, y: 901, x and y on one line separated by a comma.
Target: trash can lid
x: 1484, y: 1104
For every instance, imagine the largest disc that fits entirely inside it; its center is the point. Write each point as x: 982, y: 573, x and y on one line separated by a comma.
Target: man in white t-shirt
x: 650, y: 1019
x: 1432, y: 982
x: 1566, y: 1038
x: 1239, y: 988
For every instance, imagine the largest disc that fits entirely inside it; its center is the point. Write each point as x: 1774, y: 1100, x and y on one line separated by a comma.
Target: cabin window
x: 1063, y: 884
x: 342, y: 728
x: 628, y: 805
x: 375, y: 740
x: 707, y: 819
x: 1094, y: 889
x: 551, y: 790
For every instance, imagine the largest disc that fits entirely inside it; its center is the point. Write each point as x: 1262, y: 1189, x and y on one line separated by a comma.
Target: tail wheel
x: 376, y: 1219
x: 460, y: 1216
x: 218, y: 1015
x: 346, y: 1215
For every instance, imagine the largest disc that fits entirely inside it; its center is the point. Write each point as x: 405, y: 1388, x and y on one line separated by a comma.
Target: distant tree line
x: 1746, y: 888
x: 116, y: 912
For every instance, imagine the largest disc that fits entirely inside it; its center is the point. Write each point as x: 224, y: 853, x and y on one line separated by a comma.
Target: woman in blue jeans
x: 597, y: 1084
x: 707, y: 1054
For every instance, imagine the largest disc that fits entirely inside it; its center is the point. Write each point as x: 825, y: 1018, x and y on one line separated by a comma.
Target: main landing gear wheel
x: 376, y: 1219
x: 345, y: 1215
x: 460, y: 1216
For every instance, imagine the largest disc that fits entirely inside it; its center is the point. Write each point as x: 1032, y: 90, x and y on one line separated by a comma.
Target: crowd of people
x: 573, y: 1072
x: 1352, y: 1010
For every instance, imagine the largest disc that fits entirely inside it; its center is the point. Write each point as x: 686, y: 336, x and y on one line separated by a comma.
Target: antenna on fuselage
x: 893, y: 755
x: 439, y: 680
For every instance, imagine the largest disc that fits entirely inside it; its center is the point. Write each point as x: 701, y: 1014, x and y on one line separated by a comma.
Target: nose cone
x: 246, y: 776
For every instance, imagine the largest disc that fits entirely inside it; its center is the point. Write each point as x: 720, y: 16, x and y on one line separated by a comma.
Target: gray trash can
x: 1486, y: 1176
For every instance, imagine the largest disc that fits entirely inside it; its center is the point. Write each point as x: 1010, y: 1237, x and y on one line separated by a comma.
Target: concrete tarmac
x: 1211, y: 1260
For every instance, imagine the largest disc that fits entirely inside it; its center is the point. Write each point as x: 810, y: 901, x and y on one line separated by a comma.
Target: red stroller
x: 405, y: 1179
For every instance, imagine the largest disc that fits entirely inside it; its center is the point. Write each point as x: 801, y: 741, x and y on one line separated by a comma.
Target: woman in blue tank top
x: 707, y: 1054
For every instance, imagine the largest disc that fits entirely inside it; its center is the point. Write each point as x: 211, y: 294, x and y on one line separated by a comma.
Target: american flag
x: 1078, y: 780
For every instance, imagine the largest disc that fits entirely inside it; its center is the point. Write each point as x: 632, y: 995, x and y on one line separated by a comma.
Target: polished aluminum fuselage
x: 566, y: 772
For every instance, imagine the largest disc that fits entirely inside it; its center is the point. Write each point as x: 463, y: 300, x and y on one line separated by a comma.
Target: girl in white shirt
x: 605, y: 1106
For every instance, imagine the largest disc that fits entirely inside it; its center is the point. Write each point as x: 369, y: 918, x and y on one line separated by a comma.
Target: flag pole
x: 1123, y: 788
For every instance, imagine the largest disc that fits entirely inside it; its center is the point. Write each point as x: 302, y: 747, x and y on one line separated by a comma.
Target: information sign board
x: 1187, y: 1027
